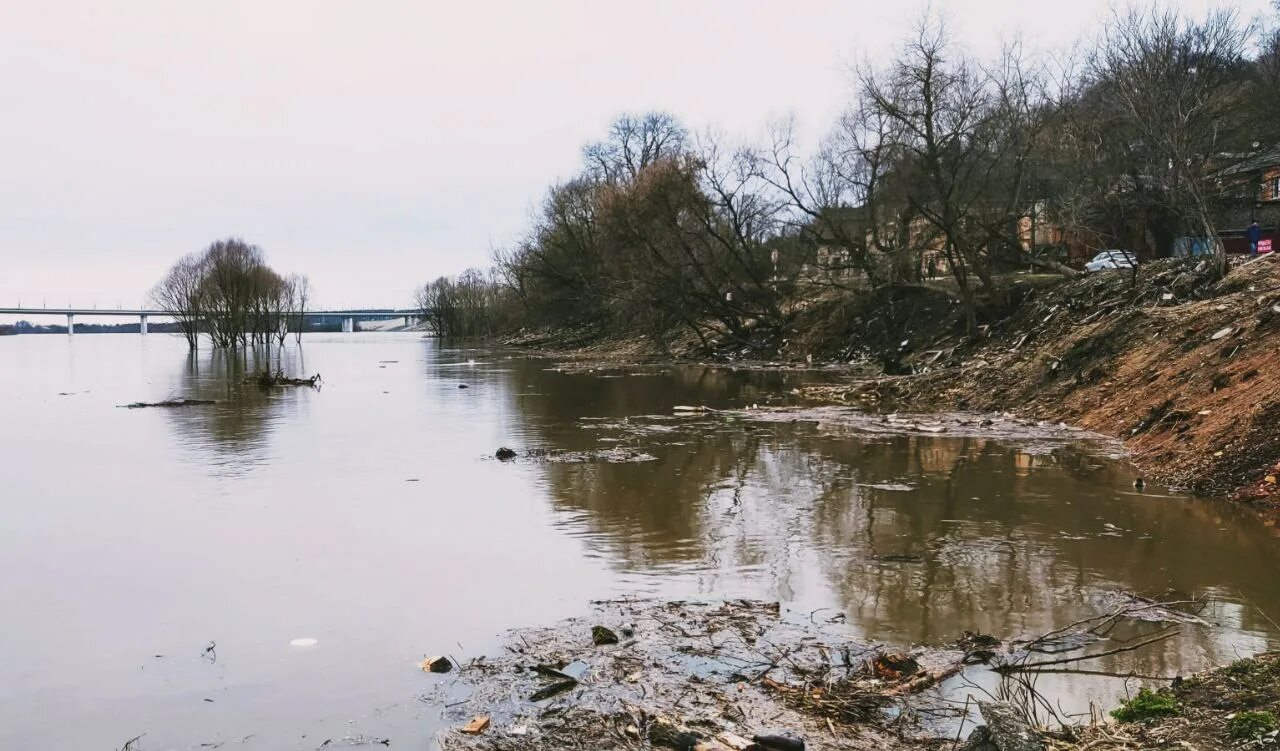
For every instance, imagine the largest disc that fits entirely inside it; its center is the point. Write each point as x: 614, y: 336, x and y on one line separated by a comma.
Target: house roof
x: 1249, y: 163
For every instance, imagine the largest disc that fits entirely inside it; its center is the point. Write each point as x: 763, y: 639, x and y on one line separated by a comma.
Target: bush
x: 1147, y: 705
x: 1241, y: 668
x: 1248, y: 725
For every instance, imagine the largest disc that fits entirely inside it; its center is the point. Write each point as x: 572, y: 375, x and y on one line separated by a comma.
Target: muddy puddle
x: 280, y: 525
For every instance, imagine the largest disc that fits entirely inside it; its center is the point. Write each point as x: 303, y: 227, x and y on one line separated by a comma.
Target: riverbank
x: 1235, y: 706
x: 1186, y: 375
x: 1185, y: 372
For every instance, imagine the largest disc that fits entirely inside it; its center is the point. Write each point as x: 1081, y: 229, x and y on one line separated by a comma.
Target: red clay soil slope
x: 1186, y: 373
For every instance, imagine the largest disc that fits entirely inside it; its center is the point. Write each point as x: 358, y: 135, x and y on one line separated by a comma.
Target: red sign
x: 1264, y: 246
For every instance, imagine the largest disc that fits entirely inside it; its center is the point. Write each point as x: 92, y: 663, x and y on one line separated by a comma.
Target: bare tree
x: 180, y: 294
x: 300, y: 284
x: 228, y: 291
x: 941, y: 155
x: 1264, y: 96
x: 960, y: 134
x: 634, y: 142
x: 474, y: 304
x: 1174, y: 89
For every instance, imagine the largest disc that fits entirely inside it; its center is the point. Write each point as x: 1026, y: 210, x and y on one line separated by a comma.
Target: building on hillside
x: 1041, y: 234
x: 1252, y: 187
x: 896, y: 252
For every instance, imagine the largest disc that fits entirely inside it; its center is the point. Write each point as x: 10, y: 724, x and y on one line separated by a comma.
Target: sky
x: 377, y: 145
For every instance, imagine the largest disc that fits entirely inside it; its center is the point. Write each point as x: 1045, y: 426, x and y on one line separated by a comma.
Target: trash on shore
x: 700, y: 676
x: 778, y: 743
x: 691, y: 675
x: 437, y: 664
x: 478, y: 725
x: 355, y: 740
x: 168, y: 403
x: 601, y: 635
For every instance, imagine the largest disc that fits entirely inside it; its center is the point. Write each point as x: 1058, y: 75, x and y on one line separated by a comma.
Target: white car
x: 1111, y: 259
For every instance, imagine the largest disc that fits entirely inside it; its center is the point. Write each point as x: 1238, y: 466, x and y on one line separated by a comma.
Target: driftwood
x: 268, y: 379
x: 168, y: 403
x: 1023, y: 667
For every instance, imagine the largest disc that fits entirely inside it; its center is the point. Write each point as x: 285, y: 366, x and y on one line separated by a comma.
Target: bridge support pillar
x: 348, y: 325
x: 71, y: 323
x: 142, y: 324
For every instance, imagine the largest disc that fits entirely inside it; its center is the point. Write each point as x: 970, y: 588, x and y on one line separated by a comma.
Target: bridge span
x: 348, y: 317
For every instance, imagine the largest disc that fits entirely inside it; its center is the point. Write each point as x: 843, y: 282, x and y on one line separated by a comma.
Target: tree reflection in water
x: 233, y: 436
x: 914, y: 538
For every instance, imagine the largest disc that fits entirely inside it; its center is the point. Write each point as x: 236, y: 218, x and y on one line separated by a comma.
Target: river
x: 157, y: 566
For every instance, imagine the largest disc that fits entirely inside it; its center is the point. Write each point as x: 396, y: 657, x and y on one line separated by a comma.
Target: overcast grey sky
x: 378, y: 144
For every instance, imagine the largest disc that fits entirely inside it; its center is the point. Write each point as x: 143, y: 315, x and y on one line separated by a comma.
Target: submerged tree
x: 230, y: 293
x: 179, y: 294
x: 300, y: 287
x: 473, y: 304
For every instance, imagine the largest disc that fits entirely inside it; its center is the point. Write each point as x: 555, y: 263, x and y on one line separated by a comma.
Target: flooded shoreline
x: 372, y: 518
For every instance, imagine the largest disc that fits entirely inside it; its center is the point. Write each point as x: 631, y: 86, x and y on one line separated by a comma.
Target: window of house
x: 1275, y: 188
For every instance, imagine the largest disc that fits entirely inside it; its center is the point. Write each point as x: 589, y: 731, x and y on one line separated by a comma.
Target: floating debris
x: 614, y: 455
x: 896, y: 487
x: 847, y: 421
x: 169, y: 403
x: 268, y: 379
x: 899, y: 558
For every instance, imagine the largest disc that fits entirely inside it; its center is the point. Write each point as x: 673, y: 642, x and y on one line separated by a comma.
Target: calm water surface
x: 156, y: 564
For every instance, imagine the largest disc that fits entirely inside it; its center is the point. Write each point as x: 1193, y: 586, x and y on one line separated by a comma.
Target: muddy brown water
x: 157, y: 565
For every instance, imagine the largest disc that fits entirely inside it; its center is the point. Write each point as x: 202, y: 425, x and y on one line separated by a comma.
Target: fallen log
x: 169, y: 403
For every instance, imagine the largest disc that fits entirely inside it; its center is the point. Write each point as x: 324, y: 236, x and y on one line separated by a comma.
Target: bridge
x: 348, y: 317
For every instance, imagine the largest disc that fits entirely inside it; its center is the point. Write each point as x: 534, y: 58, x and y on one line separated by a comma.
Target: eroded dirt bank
x: 1187, y: 375
x: 1184, y: 371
